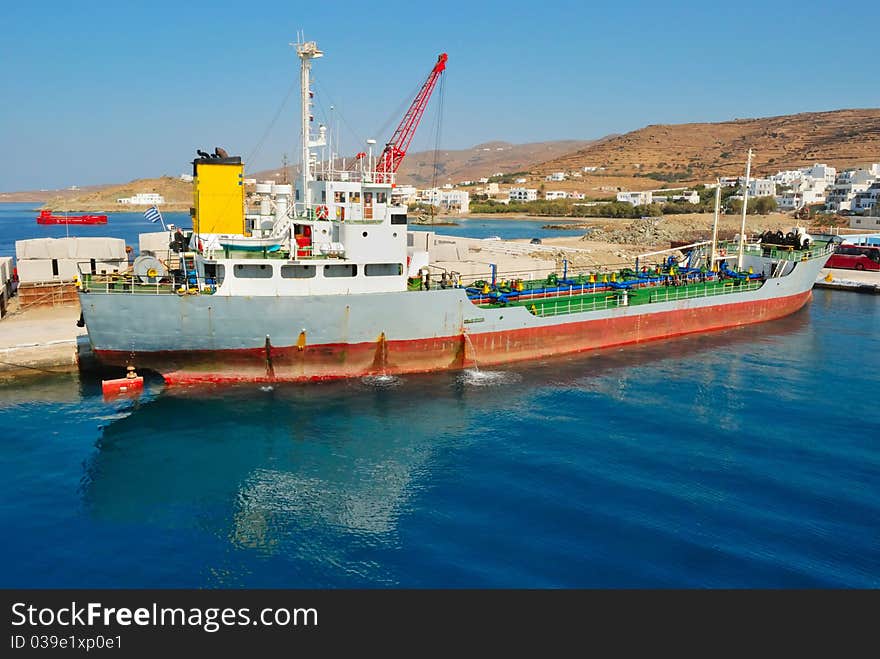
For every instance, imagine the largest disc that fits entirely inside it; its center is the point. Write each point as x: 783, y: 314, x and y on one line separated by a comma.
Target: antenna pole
x: 742, y: 231
x: 306, y: 51
x: 715, y: 223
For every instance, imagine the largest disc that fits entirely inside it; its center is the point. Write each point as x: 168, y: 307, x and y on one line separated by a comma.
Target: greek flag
x: 153, y: 214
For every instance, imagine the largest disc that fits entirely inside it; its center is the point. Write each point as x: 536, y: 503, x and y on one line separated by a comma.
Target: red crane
x: 396, y: 148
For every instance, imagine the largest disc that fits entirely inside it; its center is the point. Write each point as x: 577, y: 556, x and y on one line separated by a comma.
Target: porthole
x: 364, y: 234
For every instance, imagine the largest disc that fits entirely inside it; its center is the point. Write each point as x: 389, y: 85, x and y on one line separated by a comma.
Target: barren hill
x: 699, y: 152
x: 178, y: 196
x: 482, y: 160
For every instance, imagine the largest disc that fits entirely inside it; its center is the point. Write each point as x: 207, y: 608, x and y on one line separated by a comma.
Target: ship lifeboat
x: 46, y: 217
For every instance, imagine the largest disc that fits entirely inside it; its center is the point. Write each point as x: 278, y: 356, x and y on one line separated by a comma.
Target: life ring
x: 322, y: 212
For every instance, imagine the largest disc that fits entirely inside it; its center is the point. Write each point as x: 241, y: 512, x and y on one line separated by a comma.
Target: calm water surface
x: 745, y: 458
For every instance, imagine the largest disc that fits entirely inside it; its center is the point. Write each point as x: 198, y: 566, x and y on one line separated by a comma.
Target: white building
x: 555, y: 194
x: 520, y: 180
x: 861, y: 222
x: 820, y: 172
x: 847, y: 185
x: 142, y: 199
x: 688, y: 197
x: 522, y: 194
x: 787, y: 177
x: 453, y: 200
x: 761, y: 187
x: 556, y: 177
x: 635, y: 198
x: 404, y: 194
x: 590, y: 169
x: 869, y: 200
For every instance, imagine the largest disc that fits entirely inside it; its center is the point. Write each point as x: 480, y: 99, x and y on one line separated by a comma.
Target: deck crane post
x: 392, y: 155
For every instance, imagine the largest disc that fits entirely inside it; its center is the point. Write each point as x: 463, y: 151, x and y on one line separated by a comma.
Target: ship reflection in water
x: 310, y: 485
x: 275, y: 470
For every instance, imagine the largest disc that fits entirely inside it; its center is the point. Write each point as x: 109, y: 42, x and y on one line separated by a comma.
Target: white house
x: 820, y: 172
x: 454, y: 200
x: 406, y: 194
x: 862, y: 222
x: 635, y: 198
x: 522, y: 194
x: 520, y: 180
x: 689, y: 197
x: 869, y: 200
x: 142, y: 199
x: 761, y: 187
x: 787, y: 177
x: 550, y: 195
x: 847, y: 185
x: 556, y: 177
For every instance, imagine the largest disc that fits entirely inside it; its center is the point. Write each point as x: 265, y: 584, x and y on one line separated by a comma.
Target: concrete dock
x: 39, y: 340
x: 859, y: 281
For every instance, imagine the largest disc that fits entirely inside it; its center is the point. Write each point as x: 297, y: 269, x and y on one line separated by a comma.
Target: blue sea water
x: 742, y: 458
x: 18, y: 222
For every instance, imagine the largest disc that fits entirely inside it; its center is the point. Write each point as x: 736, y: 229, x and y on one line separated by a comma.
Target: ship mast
x: 742, y: 232
x: 307, y: 51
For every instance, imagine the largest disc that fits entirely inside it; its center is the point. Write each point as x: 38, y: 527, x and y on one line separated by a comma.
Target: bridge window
x: 383, y: 269
x: 339, y: 197
x: 380, y: 197
x: 346, y: 270
x: 355, y: 197
x: 398, y: 218
x: 252, y: 271
x: 297, y: 271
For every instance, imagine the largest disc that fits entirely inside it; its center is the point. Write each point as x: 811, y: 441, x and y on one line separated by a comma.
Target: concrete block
x: 35, y: 270
x: 6, y: 268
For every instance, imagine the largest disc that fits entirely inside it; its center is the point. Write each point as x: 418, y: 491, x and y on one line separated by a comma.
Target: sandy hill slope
x: 454, y: 166
x: 178, y: 196
x: 699, y: 152
x: 482, y: 160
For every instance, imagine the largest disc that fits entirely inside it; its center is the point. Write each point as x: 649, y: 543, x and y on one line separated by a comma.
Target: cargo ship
x: 319, y: 282
x: 47, y: 217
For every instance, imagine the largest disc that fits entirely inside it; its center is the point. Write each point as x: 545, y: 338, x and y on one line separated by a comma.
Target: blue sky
x: 97, y: 92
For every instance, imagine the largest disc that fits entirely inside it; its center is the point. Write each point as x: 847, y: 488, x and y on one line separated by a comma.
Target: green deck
x: 558, y: 304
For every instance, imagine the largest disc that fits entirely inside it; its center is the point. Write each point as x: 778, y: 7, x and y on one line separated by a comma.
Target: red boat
x: 46, y: 217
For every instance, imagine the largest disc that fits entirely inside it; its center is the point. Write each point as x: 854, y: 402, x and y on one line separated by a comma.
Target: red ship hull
x: 46, y: 217
x: 336, y: 361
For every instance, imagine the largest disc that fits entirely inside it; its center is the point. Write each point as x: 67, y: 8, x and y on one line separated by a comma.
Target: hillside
x: 42, y: 196
x: 178, y: 196
x: 482, y: 160
x: 479, y: 161
x: 701, y: 151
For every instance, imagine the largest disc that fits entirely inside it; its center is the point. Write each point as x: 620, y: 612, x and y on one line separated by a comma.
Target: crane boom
x: 396, y: 148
